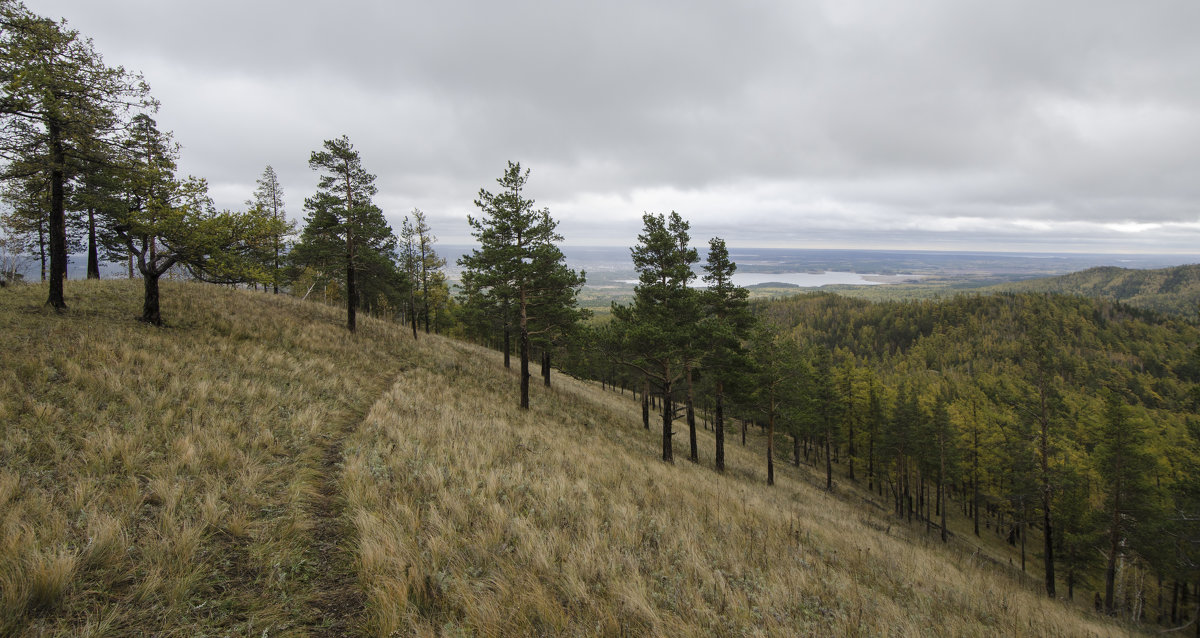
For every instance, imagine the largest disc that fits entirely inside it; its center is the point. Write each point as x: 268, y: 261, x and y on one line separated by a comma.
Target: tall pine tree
x: 726, y: 327
x: 518, y: 267
x: 345, y: 236
x: 659, y: 325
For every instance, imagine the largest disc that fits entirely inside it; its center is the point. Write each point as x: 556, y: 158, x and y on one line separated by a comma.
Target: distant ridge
x: 1174, y: 290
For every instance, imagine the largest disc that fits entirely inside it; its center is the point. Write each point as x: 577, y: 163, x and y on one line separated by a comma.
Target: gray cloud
x: 978, y: 124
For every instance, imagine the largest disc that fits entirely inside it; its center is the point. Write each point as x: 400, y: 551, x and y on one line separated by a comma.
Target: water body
x: 803, y: 279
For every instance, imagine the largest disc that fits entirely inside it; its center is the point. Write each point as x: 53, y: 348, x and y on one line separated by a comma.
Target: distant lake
x: 804, y: 279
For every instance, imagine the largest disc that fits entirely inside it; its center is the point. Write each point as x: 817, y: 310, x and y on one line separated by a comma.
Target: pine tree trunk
x: 351, y: 288
x: 646, y: 402
x: 546, y: 367
x: 828, y: 462
x: 58, y: 217
x: 1048, y: 532
x: 871, y: 459
x: 275, y: 271
x: 150, y: 310
x: 507, y: 346
x: 667, y: 415
x: 693, y: 452
x: 412, y: 316
x: 771, y: 441
x: 975, y: 480
x: 719, y: 425
x: 93, y: 258
x: 524, y: 357
x: 941, y: 486
x: 44, y: 255
x: 1114, y: 546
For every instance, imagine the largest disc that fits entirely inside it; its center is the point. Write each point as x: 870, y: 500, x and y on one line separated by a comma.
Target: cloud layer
x: 939, y: 124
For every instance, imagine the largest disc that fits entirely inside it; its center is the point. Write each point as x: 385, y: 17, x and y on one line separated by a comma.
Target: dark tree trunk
x: 667, y: 415
x: 546, y: 367
x: 871, y: 460
x: 351, y: 289
x: 507, y: 346
x: 828, y: 463
x: 941, y: 486
x: 1049, y: 543
x: 58, y: 217
x: 693, y: 452
x: 796, y: 449
x: 771, y: 443
x: 975, y: 478
x: 412, y: 317
x: 1175, y: 603
x: 93, y: 258
x: 150, y: 310
x: 646, y: 403
x: 524, y: 365
x: 743, y: 432
x: 1044, y: 454
x: 1114, y: 546
x: 43, y: 254
x: 719, y: 425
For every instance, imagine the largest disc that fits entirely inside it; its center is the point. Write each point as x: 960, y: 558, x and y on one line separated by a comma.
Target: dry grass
x: 162, y: 482
x: 477, y: 519
x: 159, y: 481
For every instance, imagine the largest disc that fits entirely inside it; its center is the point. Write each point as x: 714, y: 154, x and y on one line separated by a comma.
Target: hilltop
x: 253, y: 468
x: 1174, y: 290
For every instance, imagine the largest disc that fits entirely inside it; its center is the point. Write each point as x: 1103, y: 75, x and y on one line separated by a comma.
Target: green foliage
x: 345, y: 237
x: 1004, y: 390
x: 1174, y: 290
x: 57, y: 99
x: 518, y: 275
x: 660, y: 324
x: 268, y: 203
x: 658, y: 332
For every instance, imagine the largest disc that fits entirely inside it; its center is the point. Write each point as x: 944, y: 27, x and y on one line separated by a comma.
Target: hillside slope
x: 179, y: 482
x: 1173, y: 290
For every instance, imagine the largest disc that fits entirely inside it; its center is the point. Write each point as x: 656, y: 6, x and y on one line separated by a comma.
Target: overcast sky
x: 1055, y: 126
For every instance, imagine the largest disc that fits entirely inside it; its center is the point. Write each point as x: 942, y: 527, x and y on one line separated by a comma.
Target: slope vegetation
x: 173, y: 481
x: 1173, y: 290
x: 180, y: 481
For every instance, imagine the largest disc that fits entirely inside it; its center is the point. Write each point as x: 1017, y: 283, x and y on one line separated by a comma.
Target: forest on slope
x: 1030, y: 412
x: 1174, y: 290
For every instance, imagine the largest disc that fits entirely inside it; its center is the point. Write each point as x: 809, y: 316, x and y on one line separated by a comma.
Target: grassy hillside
x: 254, y: 470
x: 1172, y: 290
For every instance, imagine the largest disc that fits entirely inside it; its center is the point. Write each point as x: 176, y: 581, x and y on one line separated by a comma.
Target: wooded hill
x: 255, y: 468
x: 1029, y: 412
x: 1173, y: 290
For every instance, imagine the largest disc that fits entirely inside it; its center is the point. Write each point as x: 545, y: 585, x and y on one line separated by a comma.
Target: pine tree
x: 168, y: 222
x: 519, y: 266
x: 726, y: 327
x: 658, y: 326
x: 776, y: 372
x: 345, y: 236
x: 268, y: 198
x: 1125, y: 466
x: 57, y: 92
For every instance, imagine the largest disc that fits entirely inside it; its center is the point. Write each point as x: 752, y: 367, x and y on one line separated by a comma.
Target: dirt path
x: 337, y: 600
